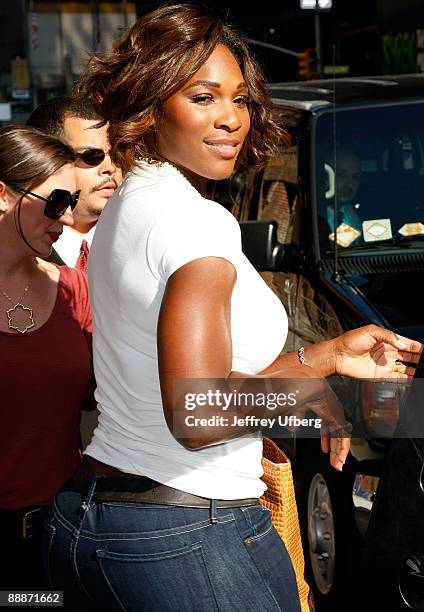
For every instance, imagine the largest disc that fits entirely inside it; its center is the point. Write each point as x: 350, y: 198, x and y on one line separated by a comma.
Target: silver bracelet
x: 301, y: 355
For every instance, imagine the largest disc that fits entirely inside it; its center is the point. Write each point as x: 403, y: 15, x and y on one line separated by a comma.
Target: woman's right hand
x: 335, y: 431
x: 316, y: 395
x: 338, y: 448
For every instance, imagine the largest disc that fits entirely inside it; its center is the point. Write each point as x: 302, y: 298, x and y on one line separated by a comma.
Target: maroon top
x: 44, y: 377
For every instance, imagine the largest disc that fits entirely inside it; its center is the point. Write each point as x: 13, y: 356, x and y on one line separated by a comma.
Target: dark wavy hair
x: 50, y: 115
x: 161, y: 52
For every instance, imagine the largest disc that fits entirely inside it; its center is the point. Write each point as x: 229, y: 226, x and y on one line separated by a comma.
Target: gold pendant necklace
x: 19, y: 311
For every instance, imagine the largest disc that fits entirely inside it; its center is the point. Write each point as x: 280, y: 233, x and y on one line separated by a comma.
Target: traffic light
x: 308, y: 64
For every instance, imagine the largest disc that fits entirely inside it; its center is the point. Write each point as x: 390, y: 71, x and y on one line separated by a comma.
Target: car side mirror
x: 260, y: 245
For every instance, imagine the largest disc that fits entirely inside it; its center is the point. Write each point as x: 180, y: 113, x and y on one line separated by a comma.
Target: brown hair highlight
x: 162, y: 51
x: 29, y: 156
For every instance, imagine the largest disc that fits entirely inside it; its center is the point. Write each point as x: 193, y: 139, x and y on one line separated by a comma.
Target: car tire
x: 332, y: 542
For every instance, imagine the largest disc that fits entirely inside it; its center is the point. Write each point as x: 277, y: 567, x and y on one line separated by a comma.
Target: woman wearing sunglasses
x: 45, y: 345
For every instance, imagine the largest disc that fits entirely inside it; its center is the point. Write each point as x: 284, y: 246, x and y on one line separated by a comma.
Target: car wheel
x: 332, y: 542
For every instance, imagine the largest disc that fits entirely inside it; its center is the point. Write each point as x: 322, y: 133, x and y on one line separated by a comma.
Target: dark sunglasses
x: 92, y: 157
x: 56, y: 203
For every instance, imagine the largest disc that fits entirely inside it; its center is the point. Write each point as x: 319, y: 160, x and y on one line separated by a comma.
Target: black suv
x: 355, y: 164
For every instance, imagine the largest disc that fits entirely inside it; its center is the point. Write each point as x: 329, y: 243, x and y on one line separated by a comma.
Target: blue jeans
x: 151, y: 558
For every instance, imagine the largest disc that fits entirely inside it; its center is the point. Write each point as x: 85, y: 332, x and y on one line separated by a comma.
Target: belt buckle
x: 27, y: 524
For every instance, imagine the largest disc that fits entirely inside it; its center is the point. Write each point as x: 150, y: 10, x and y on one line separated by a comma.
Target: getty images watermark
x: 236, y: 401
x: 303, y: 407
x: 277, y: 407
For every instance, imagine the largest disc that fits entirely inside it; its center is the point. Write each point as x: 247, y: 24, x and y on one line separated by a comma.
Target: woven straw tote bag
x: 279, y: 498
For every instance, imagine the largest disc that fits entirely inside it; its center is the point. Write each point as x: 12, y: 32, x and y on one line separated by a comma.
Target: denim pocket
x: 269, y: 554
x: 167, y: 580
x: 258, y: 522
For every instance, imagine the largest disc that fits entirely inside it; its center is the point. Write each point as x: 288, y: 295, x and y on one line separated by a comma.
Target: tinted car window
x: 376, y: 172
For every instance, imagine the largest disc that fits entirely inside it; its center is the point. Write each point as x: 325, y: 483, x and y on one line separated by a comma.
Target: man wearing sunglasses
x: 97, y: 176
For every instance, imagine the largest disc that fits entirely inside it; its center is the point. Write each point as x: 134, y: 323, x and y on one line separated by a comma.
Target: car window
x: 375, y: 170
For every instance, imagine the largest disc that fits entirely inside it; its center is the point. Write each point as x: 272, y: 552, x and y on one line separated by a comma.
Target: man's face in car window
x: 348, y: 175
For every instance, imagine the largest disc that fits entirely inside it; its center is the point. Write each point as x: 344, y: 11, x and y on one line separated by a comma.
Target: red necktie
x: 82, y: 261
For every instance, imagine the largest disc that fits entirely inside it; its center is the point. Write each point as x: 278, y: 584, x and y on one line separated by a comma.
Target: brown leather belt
x: 114, y: 485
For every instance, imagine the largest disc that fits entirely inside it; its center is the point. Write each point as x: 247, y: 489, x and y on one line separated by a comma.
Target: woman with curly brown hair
x: 157, y: 519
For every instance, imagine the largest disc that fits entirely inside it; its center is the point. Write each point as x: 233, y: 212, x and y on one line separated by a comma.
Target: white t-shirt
x: 69, y: 244
x: 155, y: 223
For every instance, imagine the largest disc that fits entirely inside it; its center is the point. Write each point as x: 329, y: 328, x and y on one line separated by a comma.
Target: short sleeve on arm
x: 82, y: 309
x: 201, y: 229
